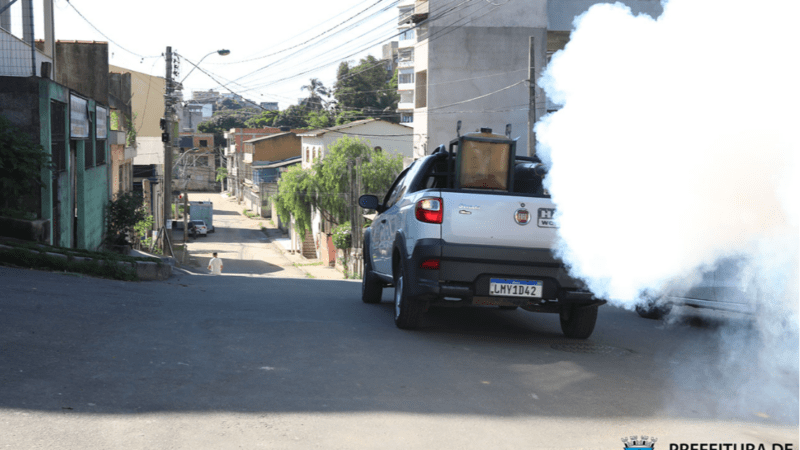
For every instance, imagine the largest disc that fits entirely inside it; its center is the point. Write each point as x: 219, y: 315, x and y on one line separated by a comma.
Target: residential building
x: 195, y: 163
x: 389, y: 137
x: 147, y: 109
x: 70, y: 122
x: 234, y: 155
x: 260, y: 155
x: 123, y: 150
x: 474, y: 61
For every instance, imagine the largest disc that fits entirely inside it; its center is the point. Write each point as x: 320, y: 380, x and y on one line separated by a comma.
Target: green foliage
x: 130, y: 135
x: 295, y: 116
x: 367, y: 88
x: 96, y: 264
x: 292, y: 198
x: 377, y: 169
x: 324, y: 186
x: 342, y: 238
x: 316, y: 92
x: 222, y: 173
x: 266, y: 119
x: 321, y: 119
x: 21, y: 164
x: 125, y: 215
x: 224, y: 120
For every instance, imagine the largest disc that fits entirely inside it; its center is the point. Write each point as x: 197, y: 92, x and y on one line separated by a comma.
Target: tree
x: 266, y: 119
x: 324, y: 186
x: 21, y: 165
x: 295, y: 116
x: 223, y: 121
x: 126, y: 218
x: 316, y: 90
x: 367, y: 88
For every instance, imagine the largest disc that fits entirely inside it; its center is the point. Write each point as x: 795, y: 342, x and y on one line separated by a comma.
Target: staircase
x: 309, y: 247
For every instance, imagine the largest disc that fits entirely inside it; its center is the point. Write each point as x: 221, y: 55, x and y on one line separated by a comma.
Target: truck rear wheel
x: 371, y: 286
x: 577, y: 322
x: 407, y: 312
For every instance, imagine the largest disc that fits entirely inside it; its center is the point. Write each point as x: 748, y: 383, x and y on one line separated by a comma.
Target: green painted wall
x: 91, y: 184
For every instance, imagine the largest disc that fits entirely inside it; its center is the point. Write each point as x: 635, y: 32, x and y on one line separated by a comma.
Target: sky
x: 275, y: 47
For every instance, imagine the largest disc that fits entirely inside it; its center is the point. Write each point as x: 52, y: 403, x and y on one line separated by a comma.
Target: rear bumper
x: 465, y: 271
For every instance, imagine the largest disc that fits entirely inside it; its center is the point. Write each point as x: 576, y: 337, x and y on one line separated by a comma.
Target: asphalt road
x: 254, y: 359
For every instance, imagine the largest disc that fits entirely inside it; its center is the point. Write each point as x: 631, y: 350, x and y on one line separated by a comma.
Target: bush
x: 342, y: 237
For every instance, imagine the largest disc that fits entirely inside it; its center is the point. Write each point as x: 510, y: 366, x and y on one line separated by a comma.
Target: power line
x: 105, y: 36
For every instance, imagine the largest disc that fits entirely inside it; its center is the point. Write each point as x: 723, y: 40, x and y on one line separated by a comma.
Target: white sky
x: 251, y: 30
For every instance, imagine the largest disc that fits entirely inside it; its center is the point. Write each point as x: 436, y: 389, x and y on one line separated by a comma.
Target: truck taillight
x: 430, y: 210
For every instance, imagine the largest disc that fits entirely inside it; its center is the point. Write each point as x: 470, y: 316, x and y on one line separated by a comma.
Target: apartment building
x: 473, y: 61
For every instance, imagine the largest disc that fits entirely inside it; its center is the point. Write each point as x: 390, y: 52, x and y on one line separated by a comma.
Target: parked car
x: 202, y: 229
x: 473, y: 228
x: 728, y: 287
x: 178, y: 226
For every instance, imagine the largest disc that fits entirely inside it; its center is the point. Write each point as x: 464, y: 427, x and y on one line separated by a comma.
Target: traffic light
x: 163, y: 123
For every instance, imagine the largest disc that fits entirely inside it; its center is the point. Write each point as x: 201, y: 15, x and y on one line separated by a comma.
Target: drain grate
x: 591, y: 348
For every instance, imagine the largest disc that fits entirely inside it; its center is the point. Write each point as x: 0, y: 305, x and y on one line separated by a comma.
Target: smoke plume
x: 676, y: 146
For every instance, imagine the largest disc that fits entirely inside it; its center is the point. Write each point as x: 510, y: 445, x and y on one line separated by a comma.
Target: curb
x: 145, y: 270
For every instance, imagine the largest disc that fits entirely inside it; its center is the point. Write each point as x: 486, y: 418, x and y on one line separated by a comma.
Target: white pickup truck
x: 472, y: 227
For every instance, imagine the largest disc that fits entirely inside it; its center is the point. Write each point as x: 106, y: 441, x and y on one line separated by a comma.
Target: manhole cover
x: 590, y: 348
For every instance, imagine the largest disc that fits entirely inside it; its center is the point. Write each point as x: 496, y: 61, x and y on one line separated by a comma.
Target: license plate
x: 500, y: 287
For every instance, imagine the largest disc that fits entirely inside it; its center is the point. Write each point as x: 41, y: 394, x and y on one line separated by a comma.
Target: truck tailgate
x: 486, y: 219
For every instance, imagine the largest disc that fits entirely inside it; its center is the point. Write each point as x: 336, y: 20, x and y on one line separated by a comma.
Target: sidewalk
x: 314, y: 268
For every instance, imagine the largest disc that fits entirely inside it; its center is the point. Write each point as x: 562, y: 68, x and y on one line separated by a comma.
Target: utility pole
x: 166, y: 137
x: 537, y: 108
x: 532, y: 96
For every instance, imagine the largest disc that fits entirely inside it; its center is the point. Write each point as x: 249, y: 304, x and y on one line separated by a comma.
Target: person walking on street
x: 215, y: 265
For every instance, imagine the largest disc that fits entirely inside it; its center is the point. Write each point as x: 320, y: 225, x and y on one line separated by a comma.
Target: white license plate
x: 500, y: 287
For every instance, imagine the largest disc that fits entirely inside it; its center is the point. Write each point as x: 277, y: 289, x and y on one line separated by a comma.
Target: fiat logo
x: 522, y: 216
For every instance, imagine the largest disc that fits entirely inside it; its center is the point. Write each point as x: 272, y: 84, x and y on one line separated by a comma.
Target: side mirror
x: 368, y: 202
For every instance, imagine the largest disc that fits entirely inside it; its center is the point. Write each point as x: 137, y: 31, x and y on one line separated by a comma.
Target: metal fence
x: 18, y: 55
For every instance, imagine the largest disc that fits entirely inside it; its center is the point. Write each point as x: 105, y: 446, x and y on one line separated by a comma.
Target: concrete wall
x: 276, y: 148
x: 561, y: 14
x: 83, y: 67
x: 147, y: 103
x: 477, y: 72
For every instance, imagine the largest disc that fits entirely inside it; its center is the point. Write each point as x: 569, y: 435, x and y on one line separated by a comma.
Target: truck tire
x: 649, y: 307
x: 371, y: 286
x: 407, y: 312
x: 577, y: 322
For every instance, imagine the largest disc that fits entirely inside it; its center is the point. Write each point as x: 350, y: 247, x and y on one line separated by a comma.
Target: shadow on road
x: 202, y: 344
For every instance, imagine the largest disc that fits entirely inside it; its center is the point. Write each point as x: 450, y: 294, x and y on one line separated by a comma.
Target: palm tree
x: 316, y: 90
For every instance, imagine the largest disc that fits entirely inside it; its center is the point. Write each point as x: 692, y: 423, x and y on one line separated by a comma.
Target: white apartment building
x: 473, y: 61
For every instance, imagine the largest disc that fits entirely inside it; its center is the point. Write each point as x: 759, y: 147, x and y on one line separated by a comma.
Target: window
x: 405, y: 76
x: 203, y: 142
x: 406, y: 118
x: 100, y: 146
x: 88, y: 154
x: 407, y: 35
x: 58, y: 135
x: 405, y: 55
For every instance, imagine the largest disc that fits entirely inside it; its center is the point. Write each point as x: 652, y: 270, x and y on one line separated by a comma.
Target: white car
x: 201, y: 227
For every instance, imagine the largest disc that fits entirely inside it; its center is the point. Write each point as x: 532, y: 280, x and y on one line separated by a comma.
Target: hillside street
x: 263, y: 357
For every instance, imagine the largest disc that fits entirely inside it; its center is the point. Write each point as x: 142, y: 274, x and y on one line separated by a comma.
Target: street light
x: 221, y: 52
